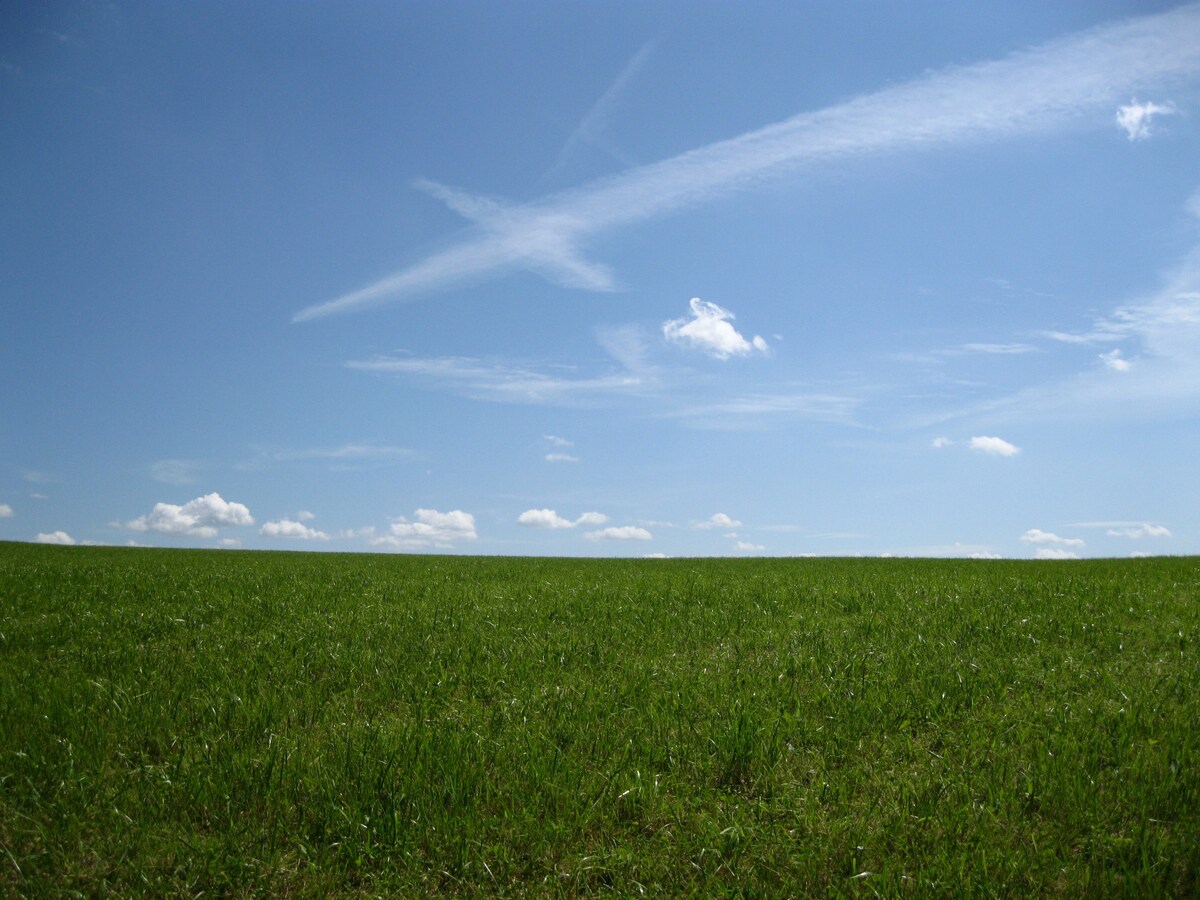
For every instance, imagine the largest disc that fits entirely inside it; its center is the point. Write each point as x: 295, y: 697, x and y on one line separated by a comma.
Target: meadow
x: 186, y: 722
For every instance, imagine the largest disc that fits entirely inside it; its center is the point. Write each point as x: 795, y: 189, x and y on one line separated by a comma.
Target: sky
x: 612, y: 279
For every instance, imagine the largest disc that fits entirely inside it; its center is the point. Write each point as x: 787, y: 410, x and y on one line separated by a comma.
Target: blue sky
x: 616, y: 279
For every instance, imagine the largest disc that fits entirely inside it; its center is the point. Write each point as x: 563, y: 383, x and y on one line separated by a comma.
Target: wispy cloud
x: 1061, y: 83
x: 175, y: 471
x: 6, y: 511
x: 346, y: 456
x: 1113, y: 360
x: 595, y: 122
x: 501, y: 381
x: 1131, y: 529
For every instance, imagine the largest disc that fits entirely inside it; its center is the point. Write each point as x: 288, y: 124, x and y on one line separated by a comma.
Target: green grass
x: 179, y: 722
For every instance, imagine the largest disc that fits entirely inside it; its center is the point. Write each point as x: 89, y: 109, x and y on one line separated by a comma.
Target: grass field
x: 236, y: 722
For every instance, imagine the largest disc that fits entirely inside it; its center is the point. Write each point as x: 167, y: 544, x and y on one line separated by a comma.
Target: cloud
x: 710, y: 331
x: 6, y: 511
x: 1135, y: 118
x: 504, y: 383
x: 290, y: 529
x: 1037, y: 536
x: 737, y: 412
x: 1112, y: 359
x: 993, y: 446
x: 1054, y: 553
x: 985, y: 554
x: 561, y: 457
x: 1057, y: 84
x: 174, y: 471
x: 431, y: 529
x: 1144, y: 529
x: 199, y: 518
x: 747, y: 547
x: 352, y: 452
x: 655, y: 556
x: 305, y: 516
x: 719, y: 520
x: 940, y: 442
x: 548, y: 518
x: 557, y: 441
x: 621, y: 533
x: 591, y: 128
x: 55, y: 537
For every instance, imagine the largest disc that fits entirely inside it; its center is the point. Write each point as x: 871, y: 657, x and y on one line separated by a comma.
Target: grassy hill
x: 210, y: 721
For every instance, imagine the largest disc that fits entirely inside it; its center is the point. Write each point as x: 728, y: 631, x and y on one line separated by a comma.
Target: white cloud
x: 1140, y: 554
x: 199, y: 518
x: 561, y: 457
x: 305, y: 516
x: 557, y: 441
x: 993, y: 446
x: 622, y: 533
x: 431, y: 529
x: 229, y: 543
x: 1135, y: 118
x: 710, y: 331
x: 747, y: 547
x: 1141, y: 530
x: 504, y: 383
x: 543, y: 518
x: 1054, y: 553
x: 719, y: 520
x: 6, y: 511
x: 291, y: 529
x: 174, y: 471
x: 1113, y: 360
x: 655, y: 556
x: 548, y: 518
x: 984, y: 554
x: 1037, y: 536
x: 590, y: 129
x: 55, y: 537
x: 1054, y: 85
x: 940, y: 442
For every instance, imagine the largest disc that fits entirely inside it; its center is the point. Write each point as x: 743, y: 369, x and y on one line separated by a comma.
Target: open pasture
x: 239, y: 722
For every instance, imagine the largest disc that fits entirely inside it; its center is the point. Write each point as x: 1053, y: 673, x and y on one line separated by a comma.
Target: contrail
x: 1049, y: 86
